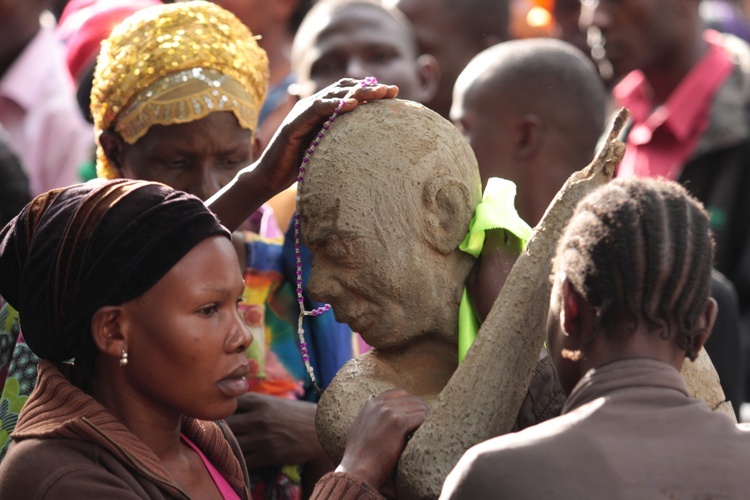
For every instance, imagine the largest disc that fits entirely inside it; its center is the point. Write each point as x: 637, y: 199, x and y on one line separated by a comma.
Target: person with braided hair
x: 630, y: 301
x: 688, y: 91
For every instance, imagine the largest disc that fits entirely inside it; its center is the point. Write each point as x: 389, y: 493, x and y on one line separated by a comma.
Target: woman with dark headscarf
x: 176, y: 99
x: 139, y: 285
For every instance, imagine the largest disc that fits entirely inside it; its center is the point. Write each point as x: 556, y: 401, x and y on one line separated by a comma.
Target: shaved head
x: 543, y: 76
x: 533, y: 111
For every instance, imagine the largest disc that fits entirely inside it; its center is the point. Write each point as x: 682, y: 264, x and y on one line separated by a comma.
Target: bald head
x: 359, y: 38
x: 533, y: 111
x: 454, y: 31
x: 395, y: 155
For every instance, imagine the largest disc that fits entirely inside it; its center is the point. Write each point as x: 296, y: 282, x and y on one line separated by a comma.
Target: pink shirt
x: 227, y: 493
x: 38, y: 110
x: 663, y: 137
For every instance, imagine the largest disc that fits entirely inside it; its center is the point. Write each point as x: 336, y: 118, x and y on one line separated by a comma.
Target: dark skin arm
x: 273, y: 431
x: 276, y: 169
x: 492, y: 268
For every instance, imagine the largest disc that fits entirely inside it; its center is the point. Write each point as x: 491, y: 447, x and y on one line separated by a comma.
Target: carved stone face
x: 371, y: 270
x: 378, y: 214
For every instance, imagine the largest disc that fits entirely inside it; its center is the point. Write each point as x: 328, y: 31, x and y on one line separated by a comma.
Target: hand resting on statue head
x: 277, y: 168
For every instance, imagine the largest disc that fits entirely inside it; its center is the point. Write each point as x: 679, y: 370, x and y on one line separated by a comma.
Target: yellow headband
x: 176, y: 63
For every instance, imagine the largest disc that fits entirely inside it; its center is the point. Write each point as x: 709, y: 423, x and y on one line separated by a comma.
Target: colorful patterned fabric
x: 10, y: 328
x: 17, y: 372
x: 270, y: 310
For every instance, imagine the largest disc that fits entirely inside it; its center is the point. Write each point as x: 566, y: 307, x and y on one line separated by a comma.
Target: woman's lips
x: 235, y: 384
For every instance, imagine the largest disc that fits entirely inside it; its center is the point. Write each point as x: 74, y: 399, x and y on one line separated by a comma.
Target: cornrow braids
x: 640, y: 250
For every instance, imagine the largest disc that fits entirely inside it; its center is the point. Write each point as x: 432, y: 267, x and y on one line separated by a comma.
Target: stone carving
x: 386, y: 200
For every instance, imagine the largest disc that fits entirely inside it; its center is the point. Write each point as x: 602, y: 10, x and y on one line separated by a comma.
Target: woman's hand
x: 378, y: 436
x: 277, y: 167
x: 280, y: 161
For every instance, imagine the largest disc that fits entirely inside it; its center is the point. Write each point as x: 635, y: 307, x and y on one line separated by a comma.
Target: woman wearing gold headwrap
x: 176, y: 96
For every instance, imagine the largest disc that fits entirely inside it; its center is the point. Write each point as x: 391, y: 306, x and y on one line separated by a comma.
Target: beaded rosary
x: 369, y: 81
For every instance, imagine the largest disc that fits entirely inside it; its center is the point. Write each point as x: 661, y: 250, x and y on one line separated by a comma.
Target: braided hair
x: 640, y: 250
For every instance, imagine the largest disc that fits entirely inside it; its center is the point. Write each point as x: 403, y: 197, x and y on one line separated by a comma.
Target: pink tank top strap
x: 227, y: 493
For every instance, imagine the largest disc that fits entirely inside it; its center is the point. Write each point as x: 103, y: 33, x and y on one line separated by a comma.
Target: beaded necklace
x: 369, y: 81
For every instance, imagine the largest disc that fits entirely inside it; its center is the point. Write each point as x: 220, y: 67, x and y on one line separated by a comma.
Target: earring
x: 573, y: 355
x: 124, y: 358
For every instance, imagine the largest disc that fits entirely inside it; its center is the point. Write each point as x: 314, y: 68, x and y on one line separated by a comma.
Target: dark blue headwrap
x: 73, y: 250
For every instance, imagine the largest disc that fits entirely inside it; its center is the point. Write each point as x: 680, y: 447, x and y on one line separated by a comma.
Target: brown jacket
x: 67, y: 446
x: 628, y: 430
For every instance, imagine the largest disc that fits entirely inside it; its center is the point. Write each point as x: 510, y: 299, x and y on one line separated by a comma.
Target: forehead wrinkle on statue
x: 364, y: 199
x: 376, y: 161
x: 328, y: 207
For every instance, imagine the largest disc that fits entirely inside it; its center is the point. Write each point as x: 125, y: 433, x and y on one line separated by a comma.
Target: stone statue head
x: 386, y: 199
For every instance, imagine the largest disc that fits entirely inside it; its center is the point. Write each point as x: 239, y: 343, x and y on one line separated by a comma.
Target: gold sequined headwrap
x: 176, y: 63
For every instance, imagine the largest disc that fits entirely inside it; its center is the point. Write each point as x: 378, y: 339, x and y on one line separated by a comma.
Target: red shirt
x: 663, y: 137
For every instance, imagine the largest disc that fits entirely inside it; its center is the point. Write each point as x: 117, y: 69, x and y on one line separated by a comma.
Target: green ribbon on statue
x: 495, y: 211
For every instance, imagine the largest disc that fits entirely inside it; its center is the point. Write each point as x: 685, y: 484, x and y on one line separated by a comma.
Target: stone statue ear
x: 447, y: 203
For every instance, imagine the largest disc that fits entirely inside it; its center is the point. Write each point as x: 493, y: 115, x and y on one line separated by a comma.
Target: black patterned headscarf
x: 74, y: 250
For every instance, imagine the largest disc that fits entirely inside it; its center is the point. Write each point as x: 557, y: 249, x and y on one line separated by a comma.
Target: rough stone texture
x: 386, y: 199
x: 703, y: 383
x: 482, y: 398
x: 381, y: 161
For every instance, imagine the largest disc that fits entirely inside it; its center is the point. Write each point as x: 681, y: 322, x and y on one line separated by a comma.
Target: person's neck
x: 15, y: 47
x: 159, y: 430
x: 665, y: 75
x: 640, y: 344
x: 278, y: 46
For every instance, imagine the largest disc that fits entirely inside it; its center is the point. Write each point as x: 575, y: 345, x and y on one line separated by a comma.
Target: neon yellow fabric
x: 495, y: 211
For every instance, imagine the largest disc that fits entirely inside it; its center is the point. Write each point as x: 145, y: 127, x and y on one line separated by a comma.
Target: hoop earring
x: 124, y: 358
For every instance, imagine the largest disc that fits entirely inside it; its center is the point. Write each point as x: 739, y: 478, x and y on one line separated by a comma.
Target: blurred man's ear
x: 429, y: 77
x: 113, y: 146
x: 529, y: 136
